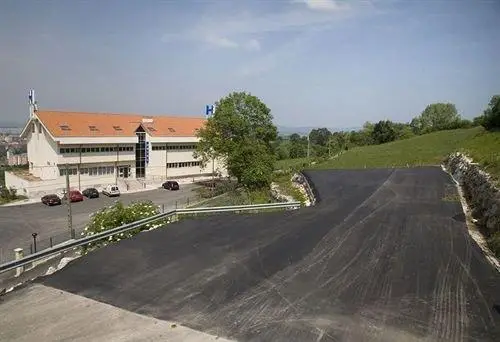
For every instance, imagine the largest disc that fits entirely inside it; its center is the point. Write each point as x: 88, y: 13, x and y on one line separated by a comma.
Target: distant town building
x: 16, y: 159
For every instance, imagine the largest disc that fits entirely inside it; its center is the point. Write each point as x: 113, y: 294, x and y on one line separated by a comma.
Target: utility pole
x: 68, y: 202
x: 308, y: 146
x: 213, y: 175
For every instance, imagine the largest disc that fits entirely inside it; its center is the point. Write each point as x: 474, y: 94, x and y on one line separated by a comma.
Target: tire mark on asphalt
x: 335, y: 281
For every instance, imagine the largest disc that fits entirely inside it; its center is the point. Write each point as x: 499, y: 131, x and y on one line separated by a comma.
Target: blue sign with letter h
x: 209, y: 110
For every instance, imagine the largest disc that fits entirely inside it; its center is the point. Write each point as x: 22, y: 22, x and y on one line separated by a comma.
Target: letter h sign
x: 210, y: 109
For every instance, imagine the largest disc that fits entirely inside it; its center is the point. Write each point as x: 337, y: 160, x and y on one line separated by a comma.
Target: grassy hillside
x: 428, y: 149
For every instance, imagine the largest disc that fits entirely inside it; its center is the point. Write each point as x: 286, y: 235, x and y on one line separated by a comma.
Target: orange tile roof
x: 77, y: 124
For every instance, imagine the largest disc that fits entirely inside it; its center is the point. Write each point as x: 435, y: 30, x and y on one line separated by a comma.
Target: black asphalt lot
x: 381, y: 257
x: 17, y: 223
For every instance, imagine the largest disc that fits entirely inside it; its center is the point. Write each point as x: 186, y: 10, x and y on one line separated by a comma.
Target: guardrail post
x: 18, y: 252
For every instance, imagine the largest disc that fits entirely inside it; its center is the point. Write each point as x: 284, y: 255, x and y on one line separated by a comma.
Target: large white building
x: 98, y: 149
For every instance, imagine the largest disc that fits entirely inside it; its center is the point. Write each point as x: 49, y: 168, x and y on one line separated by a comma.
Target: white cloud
x: 272, y: 59
x: 324, y: 5
x: 238, y: 27
x: 221, y: 42
x: 252, y: 45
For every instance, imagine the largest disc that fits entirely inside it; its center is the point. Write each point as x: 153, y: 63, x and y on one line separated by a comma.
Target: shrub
x: 118, y: 215
x: 211, y: 189
x: 8, y: 194
x: 494, y: 243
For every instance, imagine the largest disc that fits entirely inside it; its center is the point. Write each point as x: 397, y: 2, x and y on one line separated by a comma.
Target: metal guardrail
x: 11, y: 265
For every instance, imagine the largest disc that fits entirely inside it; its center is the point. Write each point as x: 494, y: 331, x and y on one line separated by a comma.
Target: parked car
x: 51, y: 199
x: 111, y: 190
x: 91, y: 193
x: 170, y: 185
x: 74, y: 196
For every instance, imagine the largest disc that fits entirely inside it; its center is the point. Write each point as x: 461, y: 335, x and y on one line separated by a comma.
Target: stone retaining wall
x: 300, y: 183
x: 483, y: 198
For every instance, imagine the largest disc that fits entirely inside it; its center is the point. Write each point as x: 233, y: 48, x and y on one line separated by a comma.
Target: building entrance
x: 124, y: 171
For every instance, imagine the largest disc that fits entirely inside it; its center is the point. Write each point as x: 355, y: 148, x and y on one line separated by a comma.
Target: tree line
x: 242, y: 135
x: 435, y: 117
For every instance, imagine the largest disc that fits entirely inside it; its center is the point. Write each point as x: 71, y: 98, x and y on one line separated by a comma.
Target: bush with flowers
x: 117, y: 215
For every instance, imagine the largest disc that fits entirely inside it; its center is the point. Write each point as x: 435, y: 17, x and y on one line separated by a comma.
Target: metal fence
x: 55, y: 248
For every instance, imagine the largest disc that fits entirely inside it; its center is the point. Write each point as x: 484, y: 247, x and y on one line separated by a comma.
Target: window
x: 170, y: 129
x: 65, y: 127
x: 93, y: 129
x: 152, y: 129
x: 117, y: 128
x: 183, y: 164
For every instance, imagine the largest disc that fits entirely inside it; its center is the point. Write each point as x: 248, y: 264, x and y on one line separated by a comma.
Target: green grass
x: 484, y: 148
x: 238, y: 197
x: 428, y: 149
x: 286, y: 164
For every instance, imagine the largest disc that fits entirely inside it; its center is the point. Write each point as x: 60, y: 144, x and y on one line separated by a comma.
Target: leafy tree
x: 384, y: 132
x: 320, y: 136
x: 416, y: 125
x: 403, y: 131
x: 298, y: 146
x: 491, y: 116
x: 282, y: 151
x: 361, y: 138
x: 437, y: 117
x: 338, y: 142
x: 240, y: 128
x: 478, y: 121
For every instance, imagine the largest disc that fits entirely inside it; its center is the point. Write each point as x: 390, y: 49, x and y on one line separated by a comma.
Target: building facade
x: 98, y: 148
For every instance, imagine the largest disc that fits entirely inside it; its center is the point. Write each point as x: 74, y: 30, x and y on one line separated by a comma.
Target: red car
x: 74, y: 196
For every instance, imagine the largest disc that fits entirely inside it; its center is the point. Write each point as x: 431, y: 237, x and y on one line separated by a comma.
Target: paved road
x: 17, y: 223
x: 381, y: 257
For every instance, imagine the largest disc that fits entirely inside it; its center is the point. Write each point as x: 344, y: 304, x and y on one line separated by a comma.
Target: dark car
x: 170, y: 185
x: 91, y: 193
x: 74, y: 196
x: 51, y: 199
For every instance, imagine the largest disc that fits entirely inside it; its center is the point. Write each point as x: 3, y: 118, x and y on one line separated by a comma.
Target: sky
x: 320, y: 63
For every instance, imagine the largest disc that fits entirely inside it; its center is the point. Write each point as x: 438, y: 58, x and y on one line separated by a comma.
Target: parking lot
x: 17, y: 223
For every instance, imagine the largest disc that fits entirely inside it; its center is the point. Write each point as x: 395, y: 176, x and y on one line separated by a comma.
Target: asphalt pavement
x: 384, y: 256
x: 17, y: 223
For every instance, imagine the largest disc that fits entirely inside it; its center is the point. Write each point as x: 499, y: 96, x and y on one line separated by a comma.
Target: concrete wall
x: 42, y: 153
x: 482, y: 196
x: 34, y: 189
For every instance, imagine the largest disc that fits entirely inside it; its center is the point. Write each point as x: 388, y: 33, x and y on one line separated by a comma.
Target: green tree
x: 362, y: 137
x: 437, y: 117
x: 491, y: 115
x: 298, y: 146
x: 282, y: 151
x: 416, y: 125
x: 339, y: 141
x: 240, y: 129
x: 320, y: 136
x: 384, y: 132
x: 403, y: 131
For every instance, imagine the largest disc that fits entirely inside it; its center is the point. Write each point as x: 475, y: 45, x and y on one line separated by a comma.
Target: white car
x: 111, y: 190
